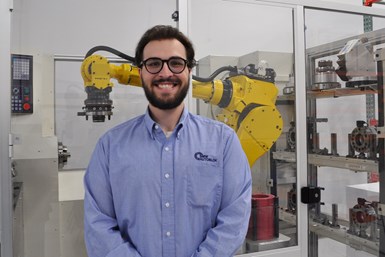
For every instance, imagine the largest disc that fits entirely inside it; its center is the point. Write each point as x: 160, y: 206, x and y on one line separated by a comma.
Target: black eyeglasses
x: 154, y: 65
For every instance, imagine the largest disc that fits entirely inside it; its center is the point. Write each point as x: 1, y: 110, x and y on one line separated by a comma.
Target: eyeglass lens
x: 155, y: 65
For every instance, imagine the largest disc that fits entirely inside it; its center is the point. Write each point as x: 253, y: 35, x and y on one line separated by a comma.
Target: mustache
x: 169, y: 80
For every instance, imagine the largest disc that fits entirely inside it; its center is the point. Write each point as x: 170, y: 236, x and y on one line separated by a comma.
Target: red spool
x: 261, y: 225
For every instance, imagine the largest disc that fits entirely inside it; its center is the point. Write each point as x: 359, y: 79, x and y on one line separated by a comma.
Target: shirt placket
x: 168, y: 219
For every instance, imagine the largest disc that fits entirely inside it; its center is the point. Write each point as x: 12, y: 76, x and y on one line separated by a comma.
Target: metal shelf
x: 282, y: 98
x: 339, y: 92
x: 343, y: 162
x: 339, y: 234
x: 284, y: 156
x: 331, y: 161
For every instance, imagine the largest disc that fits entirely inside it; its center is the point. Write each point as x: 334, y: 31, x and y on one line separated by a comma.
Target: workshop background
x: 50, y: 144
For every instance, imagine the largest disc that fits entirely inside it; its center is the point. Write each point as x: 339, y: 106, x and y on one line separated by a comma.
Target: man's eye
x: 153, y: 64
x: 176, y: 63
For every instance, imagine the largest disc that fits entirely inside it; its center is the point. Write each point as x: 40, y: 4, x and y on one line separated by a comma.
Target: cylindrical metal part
x: 325, y: 76
x: 350, y: 147
x: 325, y: 72
x: 334, y: 215
x: 373, y: 230
x: 333, y: 141
x: 276, y: 217
x: 372, y: 147
x: 351, y: 221
x: 291, y: 138
x: 316, y: 141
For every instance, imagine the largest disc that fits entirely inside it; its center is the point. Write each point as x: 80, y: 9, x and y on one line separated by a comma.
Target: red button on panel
x: 26, y: 106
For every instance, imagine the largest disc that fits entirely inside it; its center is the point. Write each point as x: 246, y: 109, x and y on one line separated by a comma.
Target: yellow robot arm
x: 248, y: 106
x: 97, y: 72
x: 247, y: 100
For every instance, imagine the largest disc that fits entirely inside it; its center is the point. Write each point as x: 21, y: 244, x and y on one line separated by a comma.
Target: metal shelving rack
x: 317, y: 229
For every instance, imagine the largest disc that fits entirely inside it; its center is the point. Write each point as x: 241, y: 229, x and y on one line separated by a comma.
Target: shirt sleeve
x: 101, y: 231
x: 226, y: 237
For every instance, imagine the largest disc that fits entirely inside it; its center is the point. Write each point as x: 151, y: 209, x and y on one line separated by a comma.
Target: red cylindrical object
x: 261, y: 225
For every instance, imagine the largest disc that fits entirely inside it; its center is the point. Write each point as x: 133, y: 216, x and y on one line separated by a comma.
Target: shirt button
x: 167, y: 148
x: 167, y: 205
x: 156, y: 126
x: 168, y: 233
x: 166, y: 175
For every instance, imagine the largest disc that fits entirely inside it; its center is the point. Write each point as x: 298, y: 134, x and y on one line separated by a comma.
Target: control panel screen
x: 21, y: 83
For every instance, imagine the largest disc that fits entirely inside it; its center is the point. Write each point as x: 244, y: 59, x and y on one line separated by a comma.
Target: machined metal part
x: 363, y: 219
x: 313, y: 138
x: 292, y: 200
x: 63, y: 155
x: 316, y: 148
x: 290, y: 137
x: 381, y: 132
x: 363, y: 140
x: 334, y: 221
x: 325, y: 76
x: 381, y: 209
x: 288, y: 90
x: 356, y: 63
x: 333, y: 143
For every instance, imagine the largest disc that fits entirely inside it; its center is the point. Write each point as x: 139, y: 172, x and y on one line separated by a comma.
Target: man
x: 167, y: 183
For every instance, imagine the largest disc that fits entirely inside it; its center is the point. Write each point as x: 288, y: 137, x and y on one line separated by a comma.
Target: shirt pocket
x: 204, y: 183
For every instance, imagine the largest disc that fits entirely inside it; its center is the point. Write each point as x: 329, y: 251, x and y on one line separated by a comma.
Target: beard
x: 169, y: 102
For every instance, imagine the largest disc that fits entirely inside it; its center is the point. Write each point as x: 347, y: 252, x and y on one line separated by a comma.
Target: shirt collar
x: 150, y: 123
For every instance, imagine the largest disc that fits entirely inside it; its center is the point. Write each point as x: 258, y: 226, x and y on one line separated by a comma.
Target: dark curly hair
x: 160, y: 32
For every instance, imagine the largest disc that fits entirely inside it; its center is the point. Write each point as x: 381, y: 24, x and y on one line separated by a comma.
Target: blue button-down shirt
x: 148, y: 195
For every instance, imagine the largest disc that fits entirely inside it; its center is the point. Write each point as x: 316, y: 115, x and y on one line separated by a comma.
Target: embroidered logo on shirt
x: 203, y: 157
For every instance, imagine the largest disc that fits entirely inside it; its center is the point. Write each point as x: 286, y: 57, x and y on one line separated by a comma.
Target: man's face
x: 165, y: 90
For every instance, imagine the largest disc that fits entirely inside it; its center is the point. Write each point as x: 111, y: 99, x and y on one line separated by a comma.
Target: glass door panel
x: 342, y: 132
x: 263, y: 52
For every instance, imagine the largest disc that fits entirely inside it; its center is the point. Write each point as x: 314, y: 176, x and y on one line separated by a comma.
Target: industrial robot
x: 246, y: 97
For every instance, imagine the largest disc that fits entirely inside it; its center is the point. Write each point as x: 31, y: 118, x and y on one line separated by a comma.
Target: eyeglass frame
x: 186, y: 63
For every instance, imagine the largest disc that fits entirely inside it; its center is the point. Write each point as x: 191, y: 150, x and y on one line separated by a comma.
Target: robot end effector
x: 97, y: 72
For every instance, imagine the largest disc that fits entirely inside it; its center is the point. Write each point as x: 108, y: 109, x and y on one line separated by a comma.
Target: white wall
x: 72, y: 27
x: 235, y: 28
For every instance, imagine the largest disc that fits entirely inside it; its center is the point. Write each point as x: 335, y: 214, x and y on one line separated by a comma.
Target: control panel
x: 21, y: 84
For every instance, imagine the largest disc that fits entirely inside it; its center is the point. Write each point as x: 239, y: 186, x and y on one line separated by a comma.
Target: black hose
x: 111, y: 50
x: 215, y: 73
x: 132, y: 60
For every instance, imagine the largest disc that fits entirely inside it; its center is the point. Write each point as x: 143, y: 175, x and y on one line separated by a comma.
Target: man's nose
x: 165, y: 71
